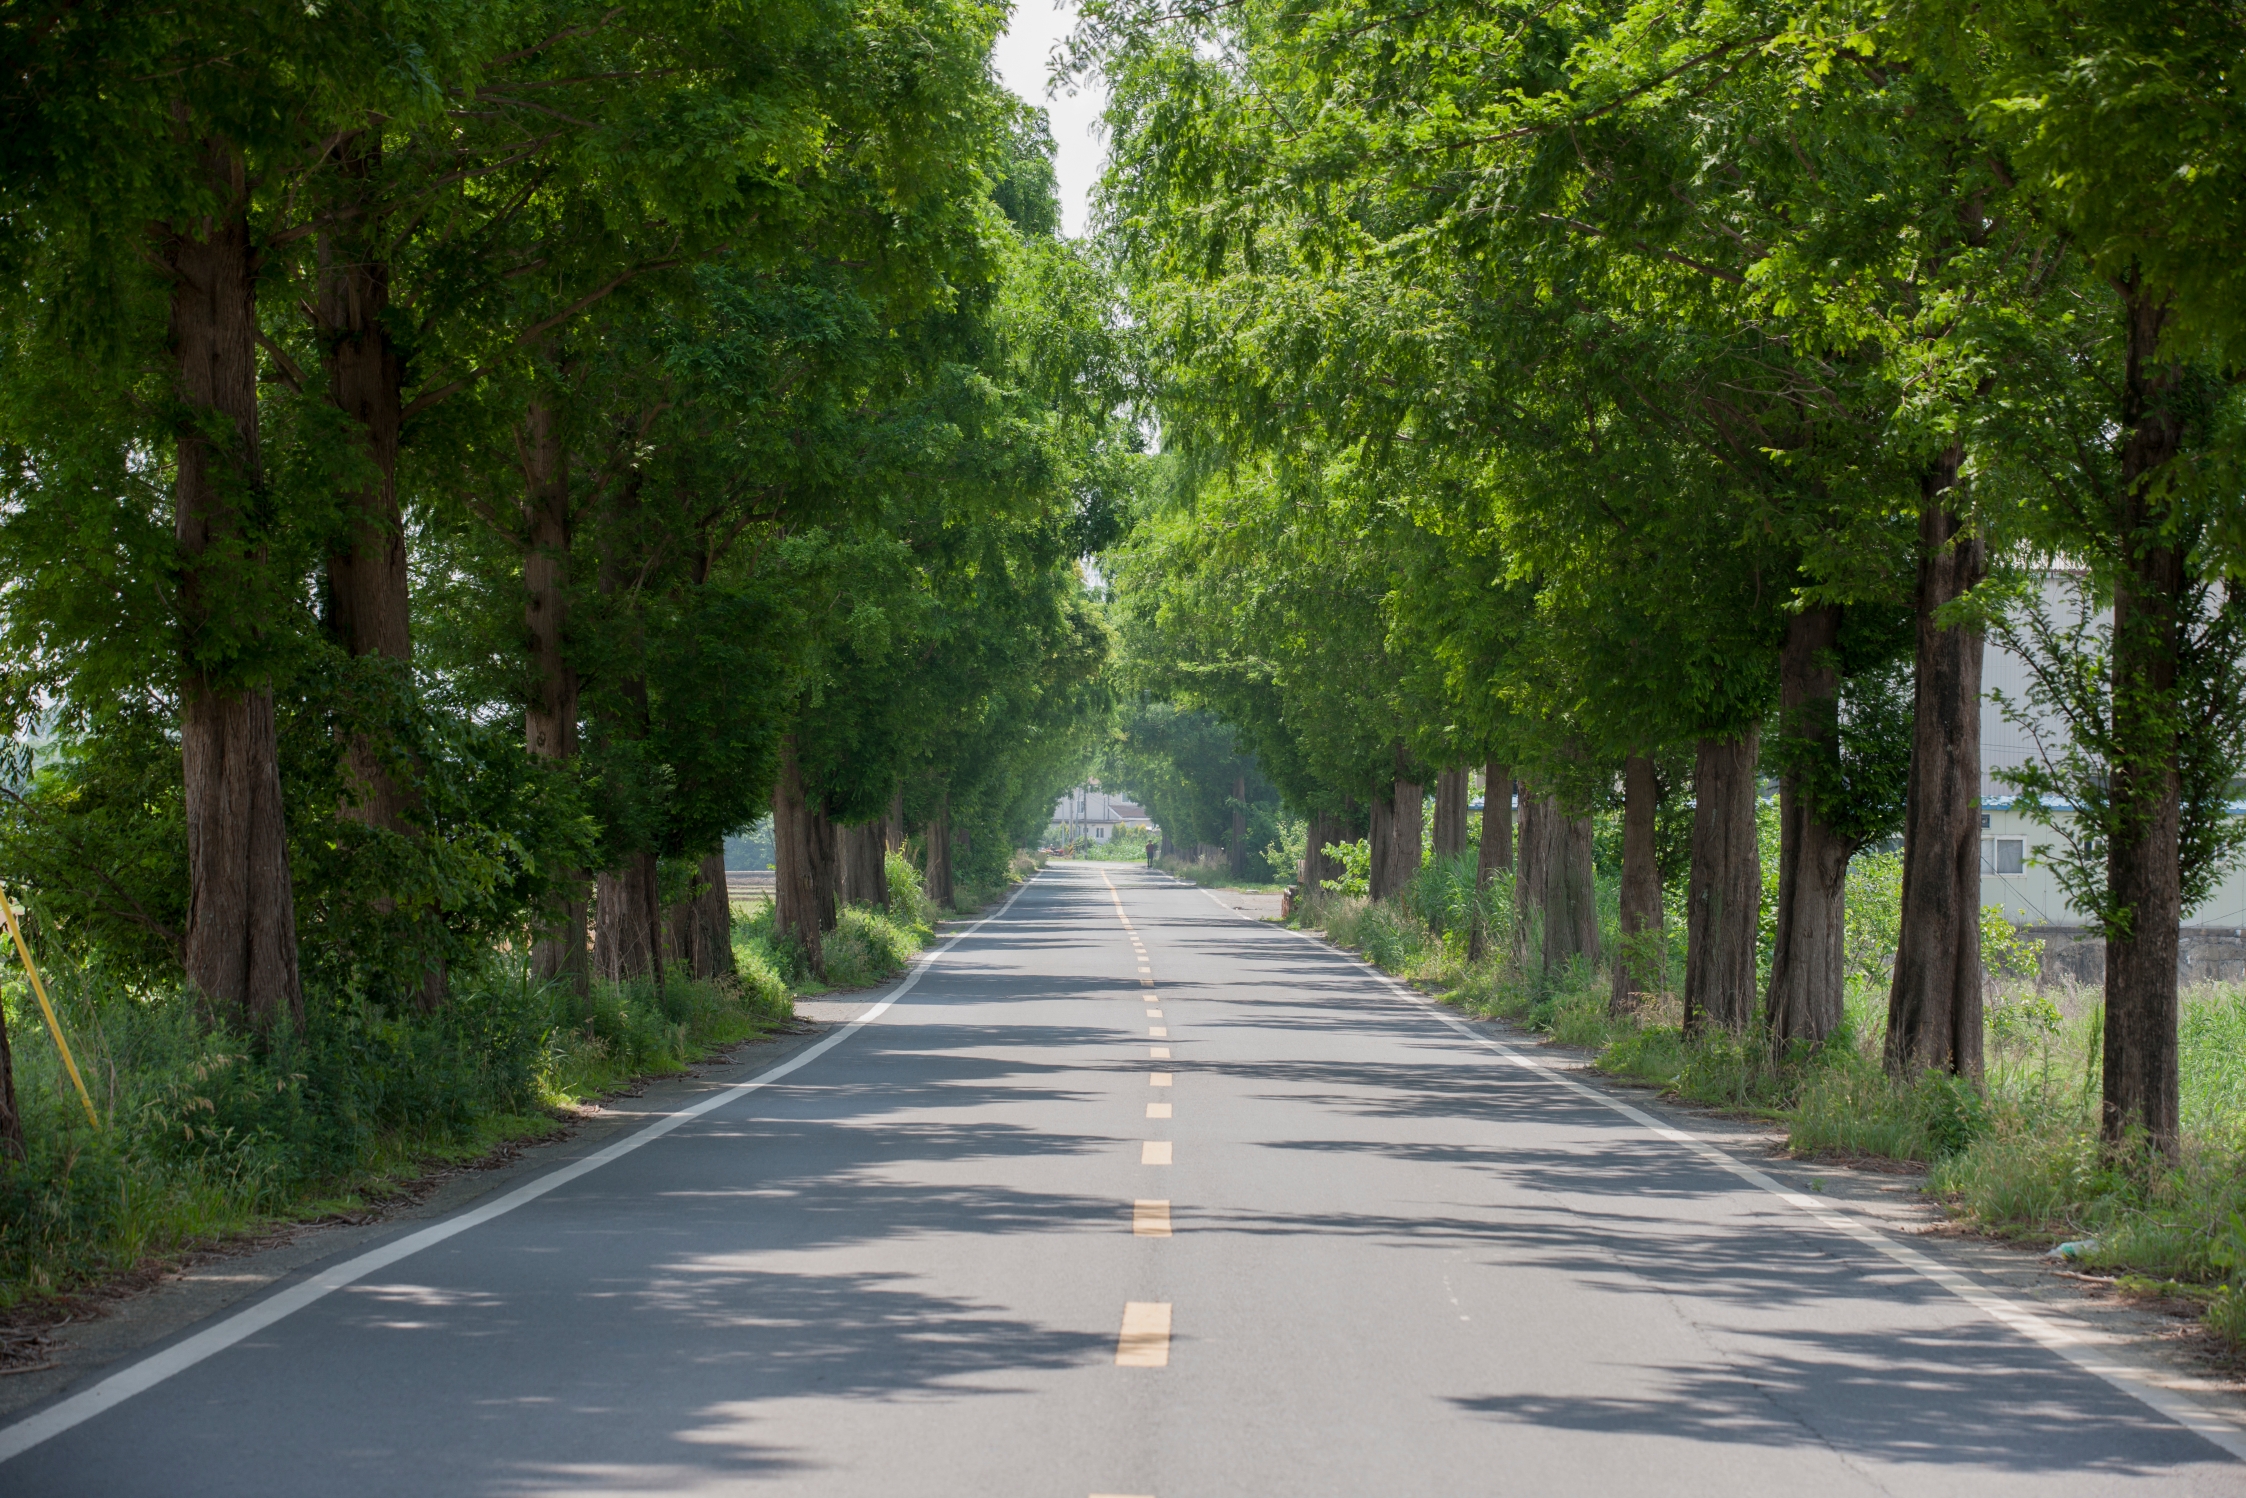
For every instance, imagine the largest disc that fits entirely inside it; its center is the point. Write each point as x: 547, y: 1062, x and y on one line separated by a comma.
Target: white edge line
x: 2079, y: 1346
x: 184, y: 1354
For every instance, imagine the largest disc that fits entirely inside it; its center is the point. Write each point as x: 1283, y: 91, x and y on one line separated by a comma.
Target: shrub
x: 1444, y: 895
x: 1389, y: 938
x: 1849, y: 1106
x: 909, y: 905
x: 634, y: 1029
x: 865, y: 947
x: 1356, y: 862
x: 2020, y: 1175
x: 2211, y: 1051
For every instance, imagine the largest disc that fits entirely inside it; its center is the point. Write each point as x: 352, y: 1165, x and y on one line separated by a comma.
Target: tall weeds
x: 205, y: 1136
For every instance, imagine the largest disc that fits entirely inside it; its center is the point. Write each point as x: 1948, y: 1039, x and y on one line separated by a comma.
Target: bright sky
x: 1024, y: 59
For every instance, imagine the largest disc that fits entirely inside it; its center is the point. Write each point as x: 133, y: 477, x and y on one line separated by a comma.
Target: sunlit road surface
x: 1129, y: 1195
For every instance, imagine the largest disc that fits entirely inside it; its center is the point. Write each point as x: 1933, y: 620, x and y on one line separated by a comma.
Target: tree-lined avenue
x: 935, y: 1259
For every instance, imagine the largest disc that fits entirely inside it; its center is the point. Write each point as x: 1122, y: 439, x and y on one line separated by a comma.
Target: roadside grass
x: 2016, y: 1157
x: 970, y: 899
x: 1213, y: 872
x: 867, y: 945
x: 206, y: 1137
x: 1127, y: 846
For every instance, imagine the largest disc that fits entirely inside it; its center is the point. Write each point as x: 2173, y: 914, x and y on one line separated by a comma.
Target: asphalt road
x: 1017, y: 1236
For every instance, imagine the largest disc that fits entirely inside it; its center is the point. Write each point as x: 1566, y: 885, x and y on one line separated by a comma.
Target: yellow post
x: 54, y: 1027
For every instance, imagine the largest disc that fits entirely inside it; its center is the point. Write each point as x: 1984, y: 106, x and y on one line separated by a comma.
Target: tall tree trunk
x: 1723, y: 900
x: 1451, y: 795
x: 1571, y: 909
x: 1327, y: 830
x: 1306, y: 872
x: 938, y: 834
x: 1380, y: 848
x: 628, y: 921
x: 826, y: 865
x: 864, y: 882
x: 713, y: 955
x: 1531, y: 873
x: 2142, y: 869
x: 627, y: 900
x: 795, y: 879
x: 1313, y: 870
x: 893, y: 826
x: 1239, y: 849
x: 1497, y: 845
x: 241, y: 906
x: 367, y: 598
x: 368, y: 609
x: 1934, y: 1001
x: 1497, y: 821
x: 877, y: 863
x: 700, y: 927
x: 1641, y: 966
x: 550, y: 716
x: 849, y: 864
x: 1407, y: 828
x: 1808, y: 972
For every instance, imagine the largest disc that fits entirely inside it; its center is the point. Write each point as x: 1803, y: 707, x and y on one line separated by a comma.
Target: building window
x: 2004, y: 855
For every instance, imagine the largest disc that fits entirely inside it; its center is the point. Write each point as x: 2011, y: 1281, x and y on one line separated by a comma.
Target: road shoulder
x: 2154, y: 1343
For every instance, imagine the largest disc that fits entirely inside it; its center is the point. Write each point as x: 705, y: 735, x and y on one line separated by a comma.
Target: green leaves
x: 759, y: 301
x: 2121, y: 122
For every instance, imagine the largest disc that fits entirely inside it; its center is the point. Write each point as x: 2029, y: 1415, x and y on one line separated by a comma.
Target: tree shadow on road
x: 1970, y: 1397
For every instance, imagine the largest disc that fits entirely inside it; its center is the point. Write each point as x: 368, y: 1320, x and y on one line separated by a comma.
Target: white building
x: 1087, y: 812
x: 2214, y: 935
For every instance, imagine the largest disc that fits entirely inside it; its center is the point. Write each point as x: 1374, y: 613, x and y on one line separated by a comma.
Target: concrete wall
x: 2204, y: 955
x: 2211, y: 947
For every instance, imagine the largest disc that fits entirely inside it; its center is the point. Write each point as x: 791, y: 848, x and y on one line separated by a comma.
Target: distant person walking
x: 1152, y: 848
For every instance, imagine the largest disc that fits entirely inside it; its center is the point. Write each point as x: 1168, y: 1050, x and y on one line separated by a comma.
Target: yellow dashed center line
x: 1145, y: 1339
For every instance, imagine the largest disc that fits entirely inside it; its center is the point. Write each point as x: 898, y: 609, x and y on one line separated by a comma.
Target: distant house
x: 2213, y: 944
x: 1087, y: 812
